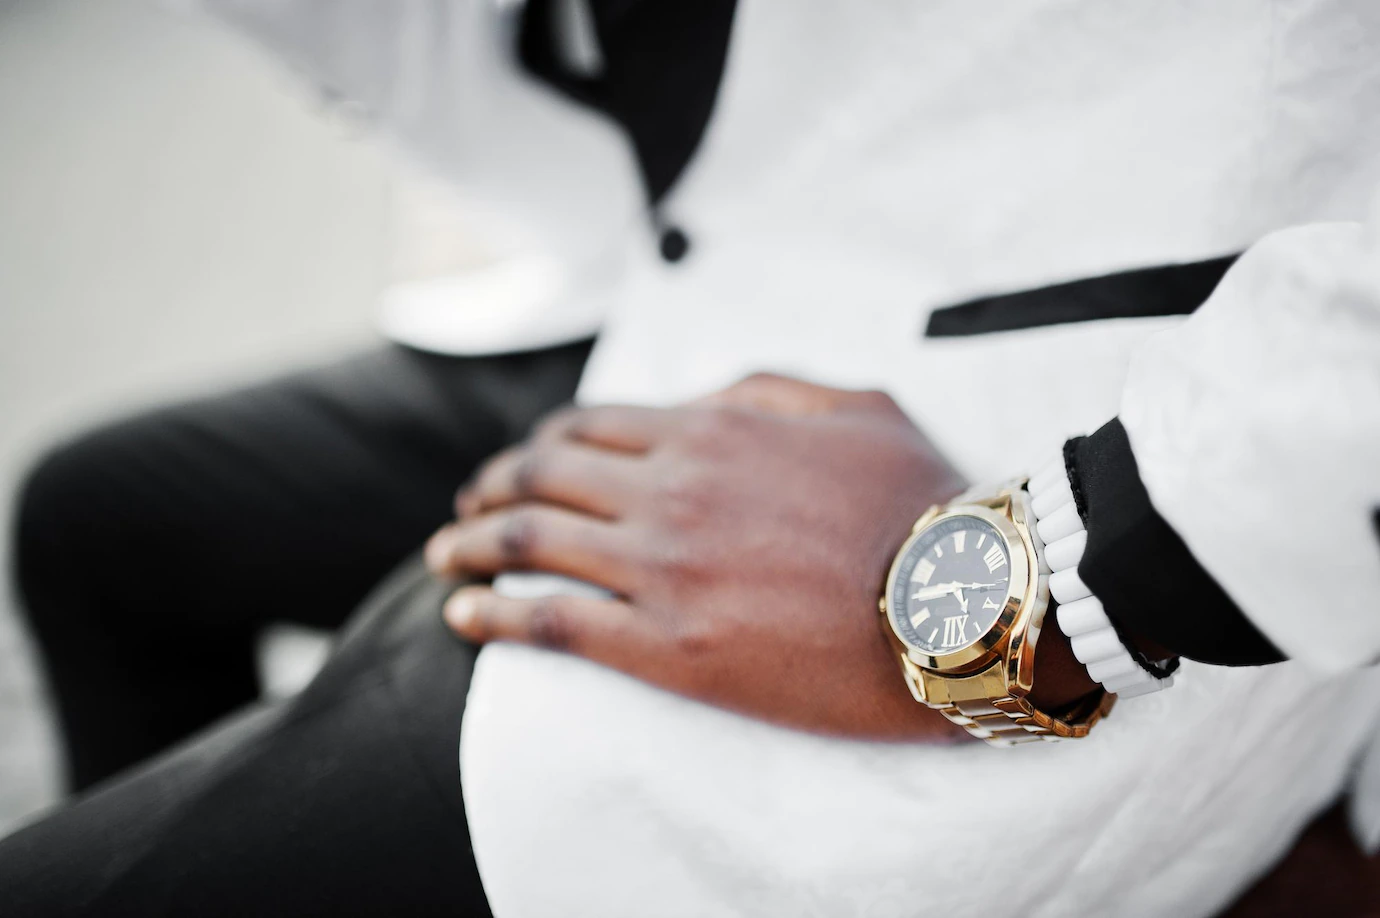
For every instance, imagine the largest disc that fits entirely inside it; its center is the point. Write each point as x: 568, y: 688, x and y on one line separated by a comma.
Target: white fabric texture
x: 1272, y: 389
x: 868, y: 163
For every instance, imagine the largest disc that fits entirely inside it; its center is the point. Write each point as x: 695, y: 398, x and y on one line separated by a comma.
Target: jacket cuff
x: 1148, y: 581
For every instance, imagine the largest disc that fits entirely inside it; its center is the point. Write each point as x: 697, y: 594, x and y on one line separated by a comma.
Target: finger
x: 569, y: 474
x: 535, y: 537
x: 626, y: 428
x: 775, y: 394
x: 608, y: 631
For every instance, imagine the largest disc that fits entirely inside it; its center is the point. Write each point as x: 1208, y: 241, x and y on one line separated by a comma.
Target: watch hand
x: 936, y: 591
x: 958, y: 594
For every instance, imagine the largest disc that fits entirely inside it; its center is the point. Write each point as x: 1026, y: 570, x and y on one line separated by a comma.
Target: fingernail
x: 460, y: 609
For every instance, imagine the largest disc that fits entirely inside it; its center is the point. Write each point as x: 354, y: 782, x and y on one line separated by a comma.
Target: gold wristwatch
x: 964, y: 603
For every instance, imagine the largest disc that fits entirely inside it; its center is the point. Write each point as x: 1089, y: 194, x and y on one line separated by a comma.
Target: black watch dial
x: 951, y: 585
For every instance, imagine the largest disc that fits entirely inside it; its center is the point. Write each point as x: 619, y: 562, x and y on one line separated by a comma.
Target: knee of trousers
x: 53, y: 527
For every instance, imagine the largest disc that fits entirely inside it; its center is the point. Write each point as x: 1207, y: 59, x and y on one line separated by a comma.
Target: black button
x: 674, y: 244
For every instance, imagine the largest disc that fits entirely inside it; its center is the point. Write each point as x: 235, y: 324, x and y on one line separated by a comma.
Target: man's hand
x: 747, y: 538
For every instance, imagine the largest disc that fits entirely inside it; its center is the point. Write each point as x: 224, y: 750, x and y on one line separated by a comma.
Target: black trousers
x: 151, y: 553
x: 342, y: 801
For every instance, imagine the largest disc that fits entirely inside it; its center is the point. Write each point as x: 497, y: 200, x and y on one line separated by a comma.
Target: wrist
x: 1060, y: 679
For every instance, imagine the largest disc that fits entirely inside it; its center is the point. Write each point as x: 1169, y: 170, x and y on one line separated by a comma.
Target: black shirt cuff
x: 1148, y: 581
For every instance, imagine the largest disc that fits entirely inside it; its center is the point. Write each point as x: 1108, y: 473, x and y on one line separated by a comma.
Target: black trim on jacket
x: 662, y: 66
x: 1147, y: 579
x: 1164, y: 290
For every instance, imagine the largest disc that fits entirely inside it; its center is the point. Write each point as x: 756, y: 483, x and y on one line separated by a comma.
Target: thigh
x: 345, y: 801
x: 150, y: 552
x: 288, y: 499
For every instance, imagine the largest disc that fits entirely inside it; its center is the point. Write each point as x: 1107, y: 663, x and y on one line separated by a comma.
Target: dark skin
x: 746, y: 537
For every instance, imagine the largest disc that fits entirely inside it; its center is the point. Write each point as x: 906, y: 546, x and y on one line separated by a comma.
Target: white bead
x: 1058, y: 494
x: 1106, y: 670
x: 1082, y: 616
x: 1060, y: 524
x: 1096, y: 646
x: 1119, y: 684
x: 1066, y: 552
x: 1067, y: 586
x: 1053, y: 471
x: 1150, y: 684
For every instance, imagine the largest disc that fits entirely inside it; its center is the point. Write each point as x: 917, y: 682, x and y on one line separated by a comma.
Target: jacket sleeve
x: 1233, y: 508
x: 440, y: 82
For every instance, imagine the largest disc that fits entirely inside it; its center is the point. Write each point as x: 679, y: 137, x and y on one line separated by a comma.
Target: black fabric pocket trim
x: 1164, y: 290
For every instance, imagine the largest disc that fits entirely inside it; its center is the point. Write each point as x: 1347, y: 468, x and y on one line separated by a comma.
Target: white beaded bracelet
x: 1081, y: 617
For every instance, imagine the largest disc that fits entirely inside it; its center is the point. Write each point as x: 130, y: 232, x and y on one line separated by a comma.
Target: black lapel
x: 662, y: 62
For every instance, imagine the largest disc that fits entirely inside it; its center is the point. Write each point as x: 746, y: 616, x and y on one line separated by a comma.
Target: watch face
x: 950, y: 585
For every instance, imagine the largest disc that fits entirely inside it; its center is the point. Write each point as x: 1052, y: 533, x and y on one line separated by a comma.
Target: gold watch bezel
x: 1020, y: 600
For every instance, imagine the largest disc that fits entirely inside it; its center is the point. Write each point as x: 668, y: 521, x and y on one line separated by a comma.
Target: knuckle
x: 687, y: 496
x: 551, y: 626
x: 762, y: 378
x: 734, y: 420
x: 557, y: 423
x: 877, y: 400
x: 700, y: 426
x: 706, y: 430
x: 668, y: 561
x: 694, y: 642
x: 518, y: 538
x: 586, y: 424
x: 528, y: 469
x: 684, y: 568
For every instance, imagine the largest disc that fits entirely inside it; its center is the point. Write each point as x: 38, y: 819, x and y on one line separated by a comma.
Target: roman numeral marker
x: 982, y: 537
x: 919, y: 617
x: 924, y: 570
x: 954, y: 626
x: 959, y: 538
x: 930, y: 639
x: 994, y: 558
x: 989, y: 604
x: 938, y: 550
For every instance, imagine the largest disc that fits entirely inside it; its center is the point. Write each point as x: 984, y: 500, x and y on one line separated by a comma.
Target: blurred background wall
x: 175, y: 214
